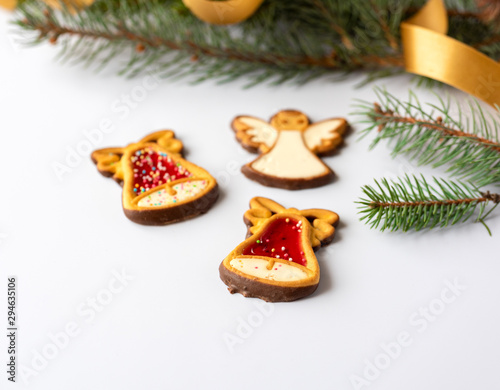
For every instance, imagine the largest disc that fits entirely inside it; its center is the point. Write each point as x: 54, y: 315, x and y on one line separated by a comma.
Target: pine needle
x: 412, y: 203
x: 468, y: 145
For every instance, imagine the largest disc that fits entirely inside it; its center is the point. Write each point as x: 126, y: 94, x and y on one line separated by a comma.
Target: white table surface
x: 174, y: 325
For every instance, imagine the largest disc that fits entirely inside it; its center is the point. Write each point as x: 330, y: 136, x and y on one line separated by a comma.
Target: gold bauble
x: 223, y: 12
x: 8, y: 4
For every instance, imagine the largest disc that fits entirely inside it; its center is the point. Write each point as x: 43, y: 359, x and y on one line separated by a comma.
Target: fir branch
x: 469, y: 146
x: 332, y: 18
x: 284, y: 40
x: 415, y: 204
x: 53, y: 32
x: 196, y: 47
x: 493, y: 39
x: 389, y: 35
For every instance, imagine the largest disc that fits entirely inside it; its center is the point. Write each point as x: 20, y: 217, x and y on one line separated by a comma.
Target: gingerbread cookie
x: 276, y: 262
x: 289, y: 147
x: 159, y: 186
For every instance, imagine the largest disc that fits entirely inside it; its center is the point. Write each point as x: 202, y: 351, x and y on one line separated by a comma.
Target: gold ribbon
x: 429, y: 52
x: 223, y: 12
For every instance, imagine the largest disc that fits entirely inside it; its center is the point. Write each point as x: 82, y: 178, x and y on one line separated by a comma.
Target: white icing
x: 261, y: 132
x: 184, y: 191
x: 280, y: 272
x: 290, y: 158
x: 324, y: 130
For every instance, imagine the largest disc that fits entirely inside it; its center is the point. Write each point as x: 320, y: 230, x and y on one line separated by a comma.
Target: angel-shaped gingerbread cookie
x: 277, y: 262
x: 289, y: 147
x: 159, y: 186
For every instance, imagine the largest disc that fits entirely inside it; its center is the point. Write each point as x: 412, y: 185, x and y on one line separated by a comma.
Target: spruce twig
x: 469, y: 146
x: 412, y: 203
x: 285, y: 40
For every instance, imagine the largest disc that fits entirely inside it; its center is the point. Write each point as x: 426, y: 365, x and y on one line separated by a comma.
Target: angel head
x: 290, y: 120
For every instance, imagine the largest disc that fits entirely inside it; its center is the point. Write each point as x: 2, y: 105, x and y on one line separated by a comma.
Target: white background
x: 169, y: 327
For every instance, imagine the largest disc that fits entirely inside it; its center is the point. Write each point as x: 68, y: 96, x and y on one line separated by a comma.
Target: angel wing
x: 323, y: 137
x: 254, y: 134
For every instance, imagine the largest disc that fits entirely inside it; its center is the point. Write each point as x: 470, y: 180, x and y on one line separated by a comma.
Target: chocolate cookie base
x: 157, y: 217
x: 287, y: 184
x: 255, y: 289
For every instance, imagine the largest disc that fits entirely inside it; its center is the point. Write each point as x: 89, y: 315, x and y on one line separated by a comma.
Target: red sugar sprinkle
x: 152, y: 169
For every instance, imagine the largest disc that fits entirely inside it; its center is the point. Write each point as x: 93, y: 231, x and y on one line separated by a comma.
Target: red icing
x: 152, y: 169
x: 281, y: 233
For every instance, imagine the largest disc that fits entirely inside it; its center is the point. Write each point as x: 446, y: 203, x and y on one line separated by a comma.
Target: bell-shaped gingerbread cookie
x: 159, y: 186
x: 289, y: 147
x: 276, y: 262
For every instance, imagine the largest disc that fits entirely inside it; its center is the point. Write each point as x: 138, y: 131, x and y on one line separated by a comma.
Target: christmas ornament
x: 159, y: 186
x: 223, y: 12
x: 8, y: 4
x: 72, y: 5
x: 276, y: 262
